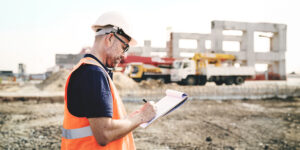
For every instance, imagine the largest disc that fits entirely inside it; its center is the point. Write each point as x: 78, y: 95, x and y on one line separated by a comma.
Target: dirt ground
x: 198, y: 124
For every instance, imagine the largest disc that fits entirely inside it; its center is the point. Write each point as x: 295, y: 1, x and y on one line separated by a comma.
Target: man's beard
x: 114, y: 63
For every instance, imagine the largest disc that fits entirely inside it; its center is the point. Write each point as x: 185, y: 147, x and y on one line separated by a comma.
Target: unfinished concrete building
x: 246, y: 54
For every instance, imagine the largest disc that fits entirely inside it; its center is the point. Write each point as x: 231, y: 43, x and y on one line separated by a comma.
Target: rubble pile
x: 123, y: 82
x: 151, y: 84
x: 56, y: 82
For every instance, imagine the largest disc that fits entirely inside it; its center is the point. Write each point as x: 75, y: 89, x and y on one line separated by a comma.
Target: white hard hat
x: 116, y: 20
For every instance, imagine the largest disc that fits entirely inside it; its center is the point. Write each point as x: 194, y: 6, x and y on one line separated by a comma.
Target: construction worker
x: 94, y: 116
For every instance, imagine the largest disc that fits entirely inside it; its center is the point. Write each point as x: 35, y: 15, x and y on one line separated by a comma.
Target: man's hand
x: 106, y: 129
x: 147, y: 112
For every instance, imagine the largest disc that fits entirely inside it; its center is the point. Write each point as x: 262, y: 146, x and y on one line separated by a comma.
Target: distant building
x: 7, y: 75
x: 67, y: 61
x: 40, y: 76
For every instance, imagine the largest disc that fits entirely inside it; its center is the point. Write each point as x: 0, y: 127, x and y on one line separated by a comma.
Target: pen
x: 144, y: 100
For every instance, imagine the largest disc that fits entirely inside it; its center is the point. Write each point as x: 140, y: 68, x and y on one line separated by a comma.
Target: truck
x: 154, y: 61
x: 210, y: 67
x: 139, y: 71
x: 141, y: 68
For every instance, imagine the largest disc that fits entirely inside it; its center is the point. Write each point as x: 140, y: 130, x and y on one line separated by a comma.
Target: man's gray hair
x: 106, y: 30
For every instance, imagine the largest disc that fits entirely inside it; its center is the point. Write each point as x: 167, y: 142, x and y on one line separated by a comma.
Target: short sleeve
x: 89, y: 93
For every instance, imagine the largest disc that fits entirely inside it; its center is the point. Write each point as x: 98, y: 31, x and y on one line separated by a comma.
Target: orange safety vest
x: 77, y: 133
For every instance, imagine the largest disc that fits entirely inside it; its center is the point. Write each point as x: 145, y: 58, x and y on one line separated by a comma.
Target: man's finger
x: 152, y: 102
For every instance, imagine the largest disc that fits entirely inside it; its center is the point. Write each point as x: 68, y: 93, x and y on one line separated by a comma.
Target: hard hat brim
x: 132, y: 42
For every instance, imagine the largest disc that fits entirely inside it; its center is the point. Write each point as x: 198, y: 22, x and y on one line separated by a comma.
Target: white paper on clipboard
x: 167, y: 104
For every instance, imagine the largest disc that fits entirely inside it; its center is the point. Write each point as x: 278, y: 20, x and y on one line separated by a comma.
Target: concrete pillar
x: 170, y: 46
x: 244, y: 43
x: 248, y: 39
x: 273, y: 67
x: 282, y: 37
x: 147, y: 48
x: 175, y: 46
x: 282, y: 71
x: 201, y: 45
x: 282, y: 50
x: 274, y: 43
x: 217, y: 36
x: 282, y: 65
x: 278, y: 44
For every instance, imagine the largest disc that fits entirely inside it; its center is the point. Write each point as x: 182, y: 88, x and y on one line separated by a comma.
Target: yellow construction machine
x: 140, y: 71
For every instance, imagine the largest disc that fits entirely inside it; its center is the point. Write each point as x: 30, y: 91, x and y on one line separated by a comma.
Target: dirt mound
x: 56, y: 81
x: 151, y: 84
x: 123, y: 82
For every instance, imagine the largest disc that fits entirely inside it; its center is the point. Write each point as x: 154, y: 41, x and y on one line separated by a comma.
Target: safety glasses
x: 125, y: 49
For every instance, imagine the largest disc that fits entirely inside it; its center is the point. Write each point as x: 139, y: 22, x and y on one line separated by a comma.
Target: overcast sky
x: 33, y: 31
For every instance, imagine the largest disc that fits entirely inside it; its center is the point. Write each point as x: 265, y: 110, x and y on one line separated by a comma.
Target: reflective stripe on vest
x: 77, y: 133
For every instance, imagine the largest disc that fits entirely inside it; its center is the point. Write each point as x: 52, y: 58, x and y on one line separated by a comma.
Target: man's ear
x: 108, y: 39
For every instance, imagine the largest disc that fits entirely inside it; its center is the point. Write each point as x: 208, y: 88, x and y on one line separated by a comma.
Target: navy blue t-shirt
x: 89, y: 92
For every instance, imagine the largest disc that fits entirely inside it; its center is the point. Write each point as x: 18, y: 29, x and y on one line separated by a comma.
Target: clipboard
x: 172, y: 100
